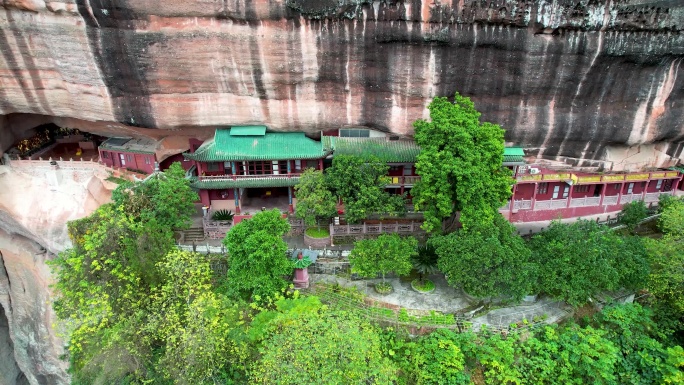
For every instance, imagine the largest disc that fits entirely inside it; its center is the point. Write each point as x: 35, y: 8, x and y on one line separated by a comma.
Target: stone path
x: 445, y: 299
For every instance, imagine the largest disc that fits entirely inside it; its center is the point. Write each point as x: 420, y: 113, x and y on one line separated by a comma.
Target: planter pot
x: 413, y: 286
x: 391, y: 290
x: 316, y: 243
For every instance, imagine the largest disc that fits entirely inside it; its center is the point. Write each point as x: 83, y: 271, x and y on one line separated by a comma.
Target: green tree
x: 486, y: 260
x: 571, y: 355
x: 195, y: 325
x: 666, y: 281
x: 167, y: 197
x: 320, y: 346
x: 425, y: 261
x: 360, y: 183
x: 258, y: 260
x: 641, y: 358
x: 579, y: 260
x: 387, y: 253
x: 314, y: 200
x: 672, y: 219
x: 666, y: 200
x: 113, y: 254
x: 438, y: 360
x: 460, y: 164
x: 632, y: 213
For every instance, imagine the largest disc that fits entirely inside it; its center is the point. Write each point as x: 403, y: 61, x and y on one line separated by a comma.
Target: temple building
x: 245, y: 168
x: 131, y: 154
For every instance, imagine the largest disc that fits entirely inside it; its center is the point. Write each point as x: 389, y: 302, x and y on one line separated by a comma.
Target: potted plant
x: 425, y: 263
x: 223, y: 215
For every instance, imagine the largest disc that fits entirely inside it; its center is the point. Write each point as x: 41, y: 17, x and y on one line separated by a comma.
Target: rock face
x: 29, y: 349
x: 566, y: 78
x: 35, y: 204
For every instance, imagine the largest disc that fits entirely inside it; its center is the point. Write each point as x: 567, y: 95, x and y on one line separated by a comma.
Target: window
x: 213, y: 166
x: 147, y: 160
x: 354, y: 133
x: 583, y: 188
x: 298, y: 165
x: 616, y: 186
x: 630, y: 188
x: 105, y: 155
x: 566, y: 190
x: 313, y: 163
x: 659, y: 184
x: 129, y: 158
x: 542, y: 188
x: 275, y: 167
x: 408, y: 170
x: 556, y: 190
x: 228, y: 167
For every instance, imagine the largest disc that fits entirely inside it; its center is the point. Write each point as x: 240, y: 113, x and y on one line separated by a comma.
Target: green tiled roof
x: 513, y: 155
x: 248, y: 130
x: 392, y: 151
x: 271, y: 146
x: 679, y: 168
x: 217, y: 184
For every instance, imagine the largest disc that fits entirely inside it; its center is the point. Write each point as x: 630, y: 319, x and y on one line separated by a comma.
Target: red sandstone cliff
x: 566, y: 77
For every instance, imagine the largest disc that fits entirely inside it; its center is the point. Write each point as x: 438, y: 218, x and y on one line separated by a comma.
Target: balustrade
x: 373, y: 229
x: 610, y: 200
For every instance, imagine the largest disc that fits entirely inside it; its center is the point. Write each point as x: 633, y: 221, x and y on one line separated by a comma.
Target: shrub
x: 222, y: 215
x: 632, y: 213
x: 383, y: 287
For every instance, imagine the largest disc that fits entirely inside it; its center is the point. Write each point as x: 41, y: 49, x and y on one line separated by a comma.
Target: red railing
x: 241, y: 176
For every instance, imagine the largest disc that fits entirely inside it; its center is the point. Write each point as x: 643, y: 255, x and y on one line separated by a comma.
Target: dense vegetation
x: 136, y: 310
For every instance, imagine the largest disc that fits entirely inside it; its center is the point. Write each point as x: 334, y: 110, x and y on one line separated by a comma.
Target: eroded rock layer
x: 564, y: 77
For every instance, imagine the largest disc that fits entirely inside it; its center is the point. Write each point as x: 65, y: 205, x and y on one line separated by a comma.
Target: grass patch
x: 315, y: 232
x: 116, y: 179
x: 425, y: 286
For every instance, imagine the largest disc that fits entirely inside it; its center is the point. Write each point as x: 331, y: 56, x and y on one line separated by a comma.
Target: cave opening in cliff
x: 10, y: 373
x: 50, y: 141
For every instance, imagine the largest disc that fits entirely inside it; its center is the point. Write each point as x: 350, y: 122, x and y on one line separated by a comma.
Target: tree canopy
x: 314, y: 200
x: 167, y: 197
x: 258, y: 262
x: 388, y: 253
x: 632, y: 213
x: 486, y: 260
x: 360, y: 183
x: 580, y: 260
x: 460, y: 165
x: 311, y: 344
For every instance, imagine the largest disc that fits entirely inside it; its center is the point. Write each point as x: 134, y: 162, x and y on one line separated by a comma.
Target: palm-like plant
x: 425, y: 262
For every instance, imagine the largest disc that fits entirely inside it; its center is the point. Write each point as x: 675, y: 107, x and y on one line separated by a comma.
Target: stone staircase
x: 193, y: 234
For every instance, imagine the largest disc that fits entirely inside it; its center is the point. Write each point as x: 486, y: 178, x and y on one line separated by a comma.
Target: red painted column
x: 603, y: 194
x: 512, y: 202
x: 676, y: 185
x: 567, y: 205
x: 320, y: 164
x: 534, y: 196
x: 622, y: 187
